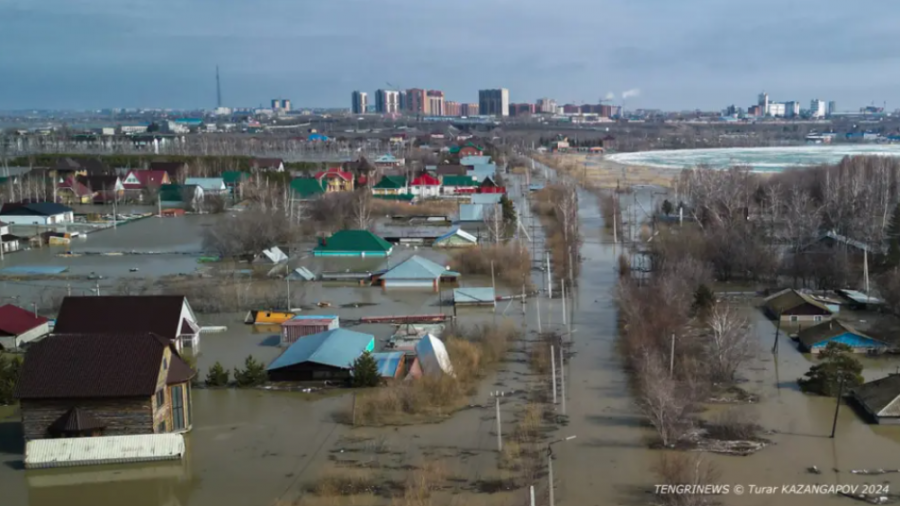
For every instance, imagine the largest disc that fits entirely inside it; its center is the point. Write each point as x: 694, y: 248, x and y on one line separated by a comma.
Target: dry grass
x: 436, y: 207
x: 472, y: 352
x: 512, y: 262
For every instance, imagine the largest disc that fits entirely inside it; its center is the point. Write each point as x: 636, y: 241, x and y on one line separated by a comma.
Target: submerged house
x: 167, y: 316
x: 814, y: 339
x: 324, y: 356
x: 391, y: 364
x: 306, y: 325
x: 19, y: 327
x: 474, y: 296
x: 417, y: 272
x: 307, y: 188
x: 792, y: 306
x: 353, y: 243
x: 456, y: 238
x: 880, y: 399
x: 390, y: 185
x: 107, y: 384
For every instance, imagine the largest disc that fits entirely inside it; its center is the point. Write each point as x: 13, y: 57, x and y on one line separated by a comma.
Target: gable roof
x: 15, y: 320
x: 464, y: 181
x: 67, y: 366
x: 334, y: 172
x: 147, y: 178
x: 72, y: 183
x: 457, y: 232
x: 388, y: 362
x: 824, y: 331
x: 475, y: 160
x: 426, y: 180
x: 391, y: 183
x: 75, y: 420
x: 786, y: 300
x: 486, y: 198
x: 266, y: 163
x: 160, y: 314
x: 473, y: 212
x: 879, y: 394
x: 234, y: 176
x: 416, y: 267
x: 207, y: 183
x: 34, y: 209
x: 336, y: 347
x: 90, y: 165
x: 173, y: 168
x: 307, y: 187
x: 354, y: 240
x: 99, y: 182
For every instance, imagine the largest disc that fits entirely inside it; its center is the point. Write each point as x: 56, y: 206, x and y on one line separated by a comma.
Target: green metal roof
x: 235, y: 176
x: 406, y: 197
x: 458, y: 181
x: 171, y: 193
x: 391, y: 183
x: 307, y: 187
x: 354, y: 240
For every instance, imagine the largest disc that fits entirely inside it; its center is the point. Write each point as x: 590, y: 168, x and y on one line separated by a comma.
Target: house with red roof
x: 335, y: 180
x: 73, y: 191
x: 425, y: 186
x: 139, y: 180
x: 19, y: 327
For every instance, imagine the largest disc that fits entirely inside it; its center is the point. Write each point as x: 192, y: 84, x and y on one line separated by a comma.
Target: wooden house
x: 814, y: 339
x: 390, y: 185
x: 306, y: 325
x: 335, y: 180
x: 177, y: 170
x: 880, y: 399
x: 107, y: 384
x: 20, y: 327
x: 325, y: 356
x: 792, y: 306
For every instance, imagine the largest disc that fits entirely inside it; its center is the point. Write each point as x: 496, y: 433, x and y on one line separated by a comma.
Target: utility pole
x: 565, y: 318
x: 837, y: 406
x: 288, y: 280
x: 496, y: 396
x: 537, y: 302
x: 69, y: 289
x: 777, y: 331
x: 562, y: 378
x: 553, y: 370
x: 549, y: 277
x: 98, y: 288
x: 672, y: 359
x: 550, y: 464
x: 34, y: 305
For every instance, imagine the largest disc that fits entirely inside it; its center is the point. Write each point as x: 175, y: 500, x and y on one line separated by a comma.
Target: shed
x: 68, y: 452
x: 306, y: 325
x: 793, y: 306
x: 417, y: 272
x: 814, y: 339
x: 323, y: 356
x: 353, y: 243
x: 260, y: 317
x: 456, y: 238
x: 474, y: 296
x: 18, y: 327
x: 433, y: 357
x: 391, y: 364
x: 880, y: 399
x: 390, y: 185
x: 470, y: 213
x: 859, y: 300
x: 486, y: 198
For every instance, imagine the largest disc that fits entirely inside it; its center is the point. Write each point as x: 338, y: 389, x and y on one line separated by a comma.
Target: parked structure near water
x: 70, y: 452
x: 79, y: 385
x: 306, y: 325
x: 38, y: 213
x: 416, y: 272
x: 880, y: 399
x: 794, y: 307
x: 353, y: 243
x: 323, y: 356
x: 19, y: 327
x: 261, y: 317
x: 814, y: 339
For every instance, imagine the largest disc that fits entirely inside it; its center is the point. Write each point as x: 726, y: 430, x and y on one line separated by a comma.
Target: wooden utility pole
x: 837, y: 406
x: 672, y: 358
x: 553, y: 369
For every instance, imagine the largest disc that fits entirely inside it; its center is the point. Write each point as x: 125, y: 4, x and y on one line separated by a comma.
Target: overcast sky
x: 679, y: 54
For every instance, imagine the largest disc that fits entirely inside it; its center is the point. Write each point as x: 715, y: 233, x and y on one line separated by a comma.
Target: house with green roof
x: 233, y: 178
x: 353, y: 243
x: 469, y: 149
x: 451, y: 185
x: 179, y: 195
x: 391, y: 185
x: 306, y: 188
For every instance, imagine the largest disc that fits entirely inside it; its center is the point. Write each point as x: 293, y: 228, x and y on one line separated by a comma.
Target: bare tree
x: 728, y: 342
x: 664, y: 401
x: 493, y: 221
x: 362, y: 209
x: 687, y: 472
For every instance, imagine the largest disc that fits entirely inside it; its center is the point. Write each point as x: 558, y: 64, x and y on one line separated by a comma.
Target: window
x: 160, y: 398
x: 793, y: 318
x: 178, y: 407
x: 817, y: 318
x: 161, y: 427
x: 165, y: 364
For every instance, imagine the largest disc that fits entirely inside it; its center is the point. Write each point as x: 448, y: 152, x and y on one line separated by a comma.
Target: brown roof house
x: 880, y: 399
x: 177, y: 170
x: 84, y: 385
x: 792, y: 306
x: 267, y: 164
x: 168, y: 316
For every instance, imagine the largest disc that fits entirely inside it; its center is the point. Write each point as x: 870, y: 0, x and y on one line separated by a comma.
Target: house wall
x: 805, y: 313
x: 162, y: 414
x: 309, y: 371
x: 859, y: 343
x: 431, y: 284
x: 17, y: 342
x: 122, y: 416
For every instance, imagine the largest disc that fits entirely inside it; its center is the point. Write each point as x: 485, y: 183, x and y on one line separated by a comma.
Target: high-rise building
x: 817, y: 108
x: 286, y: 105
x: 436, y: 102
x: 494, y: 102
x: 832, y: 107
x: 276, y: 104
x: 387, y: 101
x: 401, y: 101
x: 468, y: 109
x: 571, y: 109
x: 777, y: 109
x: 521, y: 109
x: 547, y: 105
x: 359, y: 102
x: 763, y: 103
x: 417, y: 101
x: 791, y: 109
x: 452, y: 108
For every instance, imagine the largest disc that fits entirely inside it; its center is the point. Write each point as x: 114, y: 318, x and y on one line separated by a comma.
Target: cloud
x: 610, y: 96
x: 632, y: 93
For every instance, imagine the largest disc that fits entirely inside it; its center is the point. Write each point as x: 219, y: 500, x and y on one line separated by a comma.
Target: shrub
x: 512, y: 262
x: 365, y: 371
x: 217, y: 376
x: 9, y: 375
x: 253, y: 374
x: 825, y: 378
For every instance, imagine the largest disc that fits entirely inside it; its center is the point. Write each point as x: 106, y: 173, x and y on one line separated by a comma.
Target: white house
x: 8, y: 242
x: 209, y: 185
x: 425, y: 186
x: 18, y: 327
x: 39, y: 213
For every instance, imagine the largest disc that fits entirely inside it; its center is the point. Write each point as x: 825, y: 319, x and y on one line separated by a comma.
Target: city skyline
x: 131, y: 55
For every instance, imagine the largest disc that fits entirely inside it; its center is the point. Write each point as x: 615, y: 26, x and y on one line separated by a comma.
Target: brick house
x: 83, y: 385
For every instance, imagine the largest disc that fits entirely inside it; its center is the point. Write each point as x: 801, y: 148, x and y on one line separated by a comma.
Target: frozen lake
x: 760, y: 159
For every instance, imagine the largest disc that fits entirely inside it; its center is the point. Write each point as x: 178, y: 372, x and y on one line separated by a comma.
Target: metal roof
x: 207, y: 183
x: 310, y: 319
x: 457, y: 232
x: 388, y: 362
x: 829, y: 330
x: 879, y: 394
x: 336, y: 347
x: 474, y: 160
x: 416, y: 267
x: 486, y: 198
x: 85, y: 451
x: 473, y: 294
x: 15, y: 320
x: 860, y: 297
x: 472, y: 212
x: 433, y: 357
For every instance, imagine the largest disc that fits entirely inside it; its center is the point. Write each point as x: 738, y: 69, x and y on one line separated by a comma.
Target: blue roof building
x: 814, y: 339
x: 390, y: 364
x: 470, y: 213
x: 323, y: 356
x: 417, y: 272
x: 474, y: 160
x: 474, y: 296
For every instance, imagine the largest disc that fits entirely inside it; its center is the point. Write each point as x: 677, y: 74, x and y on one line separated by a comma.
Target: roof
x: 388, y: 158
x: 309, y: 320
x: 486, y: 198
x: 354, y: 240
x: 860, y: 297
x: 91, y: 165
x: 879, y: 394
x: 450, y: 170
x: 99, y: 182
x: 456, y: 149
x: 207, y: 183
x: 173, y: 168
x: 336, y: 347
x: 426, y: 180
x: 160, y: 314
x: 317, y: 137
x: 334, y: 171
x: 234, y: 176
x: 148, y: 178
x: 75, y: 420
x: 785, y: 300
x: 834, y: 236
x: 474, y: 160
x: 433, y: 357
x: 80, y: 451
x: 71, y: 183
x: 266, y: 163
x: 458, y: 181
x: 171, y: 193
x: 473, y: 295
x: 388, y: 362
x: 391, y: 183
x: 78, y: 366
x: 472, y: 212
x: 824, y: 331
x: 307, y: 187
x: 416, y: 267
x: 457, y: 232
x: 15, y: 320
x: 34, y: 209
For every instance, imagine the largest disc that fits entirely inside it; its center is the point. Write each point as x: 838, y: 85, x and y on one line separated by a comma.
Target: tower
x: 218, y: 89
